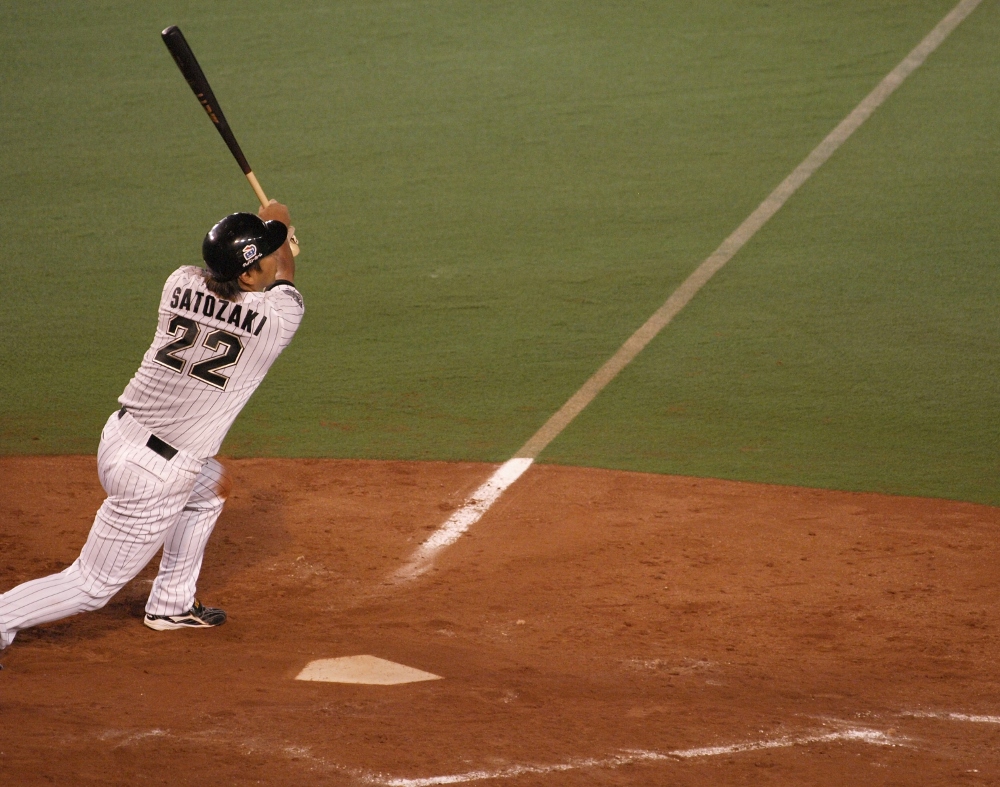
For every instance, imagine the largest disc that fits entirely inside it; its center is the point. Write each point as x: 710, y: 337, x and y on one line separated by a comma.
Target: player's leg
x: 61, y: 595
x: 173, y: 590
x: 42, y: 600
x: 144, y: 499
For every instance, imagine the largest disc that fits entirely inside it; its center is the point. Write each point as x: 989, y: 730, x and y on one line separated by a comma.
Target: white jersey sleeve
x: 207, y: 358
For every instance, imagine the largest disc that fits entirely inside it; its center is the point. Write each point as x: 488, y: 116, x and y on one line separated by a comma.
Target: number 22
x: 186, y: 331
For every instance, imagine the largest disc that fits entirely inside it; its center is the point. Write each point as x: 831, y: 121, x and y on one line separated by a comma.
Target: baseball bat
x: 188, y: 64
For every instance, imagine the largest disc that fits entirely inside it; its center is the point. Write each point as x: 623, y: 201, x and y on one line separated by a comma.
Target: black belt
x: 154, y: 443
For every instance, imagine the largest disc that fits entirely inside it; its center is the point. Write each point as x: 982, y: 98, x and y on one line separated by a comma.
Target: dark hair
x: 227, y: 290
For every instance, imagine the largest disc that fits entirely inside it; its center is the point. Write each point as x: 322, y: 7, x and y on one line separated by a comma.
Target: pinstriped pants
x: 151, y: 503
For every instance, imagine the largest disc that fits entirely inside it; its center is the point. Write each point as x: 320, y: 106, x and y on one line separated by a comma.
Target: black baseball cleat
x: 198, y: 617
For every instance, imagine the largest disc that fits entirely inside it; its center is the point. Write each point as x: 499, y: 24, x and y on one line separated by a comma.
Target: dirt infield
x: 595, y: 628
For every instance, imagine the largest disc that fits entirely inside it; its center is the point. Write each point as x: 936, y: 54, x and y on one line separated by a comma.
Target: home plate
x: 363, y: 669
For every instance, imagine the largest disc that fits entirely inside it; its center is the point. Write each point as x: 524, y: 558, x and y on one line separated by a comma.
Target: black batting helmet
x: 238, y: 241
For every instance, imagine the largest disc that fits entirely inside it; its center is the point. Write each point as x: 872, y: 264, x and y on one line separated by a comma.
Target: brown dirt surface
x: 594, y: 628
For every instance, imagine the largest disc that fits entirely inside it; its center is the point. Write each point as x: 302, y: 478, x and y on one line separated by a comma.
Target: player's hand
x: 275, y: 211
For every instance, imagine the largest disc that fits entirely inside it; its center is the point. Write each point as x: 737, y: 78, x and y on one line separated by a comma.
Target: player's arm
x: 274, y: 210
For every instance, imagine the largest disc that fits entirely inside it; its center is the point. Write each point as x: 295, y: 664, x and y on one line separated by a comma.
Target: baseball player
x: 220, y: 328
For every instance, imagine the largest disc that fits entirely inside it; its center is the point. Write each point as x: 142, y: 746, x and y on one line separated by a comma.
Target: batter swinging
x: 220, y: 328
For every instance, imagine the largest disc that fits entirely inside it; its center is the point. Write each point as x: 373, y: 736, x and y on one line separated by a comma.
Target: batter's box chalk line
x: 639, y: 756
x: 944, y: 716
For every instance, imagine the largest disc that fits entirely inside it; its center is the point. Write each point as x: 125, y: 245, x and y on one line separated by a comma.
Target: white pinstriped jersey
x: 207, y: 358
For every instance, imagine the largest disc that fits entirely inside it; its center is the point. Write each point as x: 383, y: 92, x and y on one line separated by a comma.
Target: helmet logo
x: 249, y: 252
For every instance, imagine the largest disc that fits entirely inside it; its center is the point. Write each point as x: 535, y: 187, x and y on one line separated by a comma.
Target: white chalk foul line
x: 464, y: 518
x: 635, y: 757
x: 470, y: 513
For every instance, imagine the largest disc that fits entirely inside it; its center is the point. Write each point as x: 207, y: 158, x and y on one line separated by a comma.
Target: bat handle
x: 255, y: 185
x: 293, y: 241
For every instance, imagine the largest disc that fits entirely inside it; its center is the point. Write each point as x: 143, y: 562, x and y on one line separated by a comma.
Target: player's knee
x: 217, y: 482
x: 212, y: 489
x: 95, y: 590
x: 97, y: 594
x: 224, y: 483
x: 92, y: 601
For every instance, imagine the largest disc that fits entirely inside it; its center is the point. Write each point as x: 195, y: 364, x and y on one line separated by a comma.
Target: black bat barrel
x: 188, y: 64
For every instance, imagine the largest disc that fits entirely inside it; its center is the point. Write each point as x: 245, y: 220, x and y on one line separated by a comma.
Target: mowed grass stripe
x: 731, y: 245
x: 496, y: 195
x: 853, y: 344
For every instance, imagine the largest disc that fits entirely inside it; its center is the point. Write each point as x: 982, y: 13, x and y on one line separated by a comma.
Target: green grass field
x: 491, y: 197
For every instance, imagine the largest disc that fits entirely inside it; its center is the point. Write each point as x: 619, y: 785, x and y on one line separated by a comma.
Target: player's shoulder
x: 186, y: 276
x: 285, y: 288
x: 187, y: 273
x: 282, y: 294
